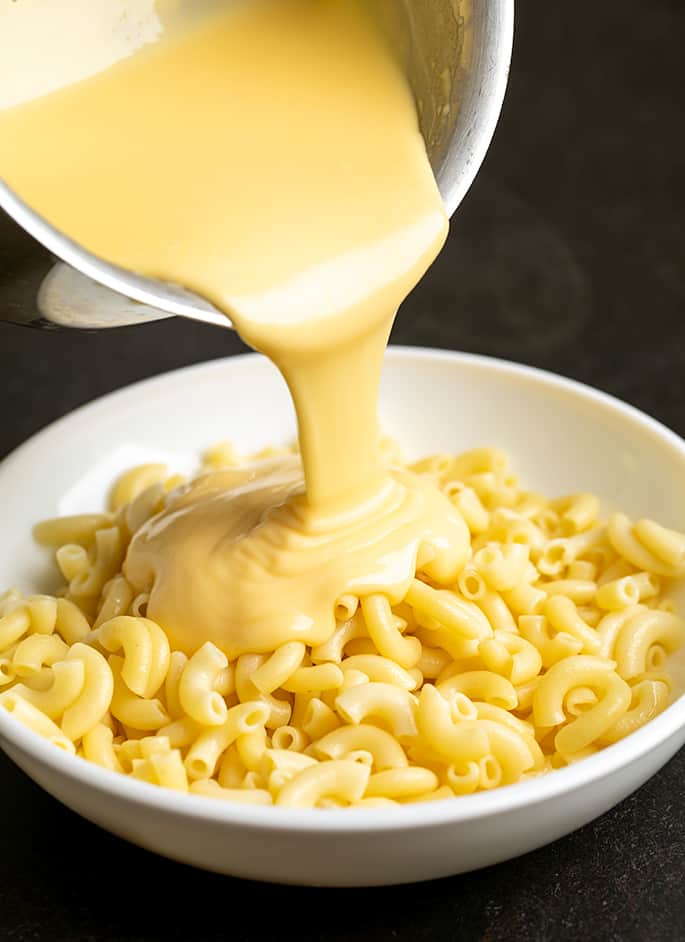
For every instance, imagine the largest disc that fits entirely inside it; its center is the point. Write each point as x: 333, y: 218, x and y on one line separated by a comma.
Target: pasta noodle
x: 550, y: 642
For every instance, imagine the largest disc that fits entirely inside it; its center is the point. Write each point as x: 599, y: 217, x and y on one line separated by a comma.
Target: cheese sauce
x: 269, y: 159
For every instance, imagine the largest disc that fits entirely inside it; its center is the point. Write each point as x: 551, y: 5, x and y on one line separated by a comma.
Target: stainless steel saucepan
x: 456, y: 54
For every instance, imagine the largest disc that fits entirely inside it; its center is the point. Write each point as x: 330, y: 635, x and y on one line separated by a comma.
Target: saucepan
x: 456, y: 55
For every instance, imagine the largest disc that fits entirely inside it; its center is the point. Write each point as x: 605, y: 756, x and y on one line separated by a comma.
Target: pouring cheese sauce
x: 269, y: 159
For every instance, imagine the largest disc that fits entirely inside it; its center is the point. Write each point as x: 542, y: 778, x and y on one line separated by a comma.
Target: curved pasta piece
x: 642, y: 631
x: 587, y: 728
x: 318, y: 719
x: 563, y: 615
x: 231, y: 769
x: 289, y: 738
x: 281, y: 665
x: 125, y: 752
x: 245, y: 667
x: 72, y: 560
x: 9, y: 600
x: 580, y: 591
x: 385, y: 630
x: 146, y: 651
x: 551, y: 646
x: 95, y: 697
x: 334, y: 648
x: 177, y: 663
x: 610, y: 625
x: 314, y: 679
x: 149, y: 745
x: 43, y: 613
x: 278, y: 767
x: 509, y: 526
x: 469, y: 505
x: 482, y: 685
x: 511, y: 655
x: 463, y: 618
x: 496, y: 611
x: 133, y: 482
x: 454, y: 645
x: 108, y: 555
x: 582, y: 670
x: 488, y: 711
x: 394, y: 706
x: 461, y: 706
x: 456, y: 742
x: 169, y: 771
x: 143, y: 506
x: 182, y: 732
x: 129, y: 708
x: 490, y: 773
x: 384, y: 748
x: 561, y: 552
x: 345, y: 607
x: 68, y: 678
x: 513, y: 752
x: 253, y: 780
x: 79, y: 528
x: 432, y: 662
x: 402, y: 783
x: 14, y: 626
x: 502, y: 565
x: 116, y: 599
x: 97, y: 747
x: 70, y: 622
x: 7, y: 673
x: 525, y: 599
x: 649, y: 698
x: 36, y: 652
x: 627, y: 591
x: 577, y: 512
x: 353, y: 678
x: 579, y: 700
x: 339, y: 779
x: 471, y: 584
x: 35, y: 719
x: 667, y: 545
x: 463, y: 778
x: 251, y: 748
x: 283, y: 760
x: 380, y: 669
x: 205, y: 752
x: 624, y: 540
x: 162, y: 767
x: 196, y: 688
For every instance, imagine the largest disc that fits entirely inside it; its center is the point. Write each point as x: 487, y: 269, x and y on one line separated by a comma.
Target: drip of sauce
x: 270, y: 159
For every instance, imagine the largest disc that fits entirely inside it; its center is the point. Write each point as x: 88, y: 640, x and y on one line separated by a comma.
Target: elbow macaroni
x: 551, y: 643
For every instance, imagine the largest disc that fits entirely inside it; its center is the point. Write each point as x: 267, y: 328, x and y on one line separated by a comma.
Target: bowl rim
x: 363, y: 820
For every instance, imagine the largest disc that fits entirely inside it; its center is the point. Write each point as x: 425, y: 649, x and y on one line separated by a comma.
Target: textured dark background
x: 567, y: 254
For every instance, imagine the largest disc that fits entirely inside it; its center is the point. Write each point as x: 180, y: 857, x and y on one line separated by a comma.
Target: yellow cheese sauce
x: 269, y: 159
x: 268, y: 570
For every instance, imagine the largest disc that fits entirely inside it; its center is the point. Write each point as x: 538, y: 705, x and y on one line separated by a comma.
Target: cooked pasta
x: 551, y: 643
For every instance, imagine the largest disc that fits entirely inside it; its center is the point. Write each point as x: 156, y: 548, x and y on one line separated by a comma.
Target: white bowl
x: 561, y: 435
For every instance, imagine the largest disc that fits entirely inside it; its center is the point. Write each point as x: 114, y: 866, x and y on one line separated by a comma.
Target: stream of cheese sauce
x: 270, y: 159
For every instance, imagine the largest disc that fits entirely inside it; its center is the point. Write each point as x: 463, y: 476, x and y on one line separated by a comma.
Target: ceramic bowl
x: 562, y: 437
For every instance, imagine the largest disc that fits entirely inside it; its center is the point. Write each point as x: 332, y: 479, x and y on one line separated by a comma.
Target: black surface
x: 567, y: 254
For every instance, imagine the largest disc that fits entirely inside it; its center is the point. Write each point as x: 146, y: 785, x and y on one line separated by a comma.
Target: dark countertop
x: 567, y: 254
